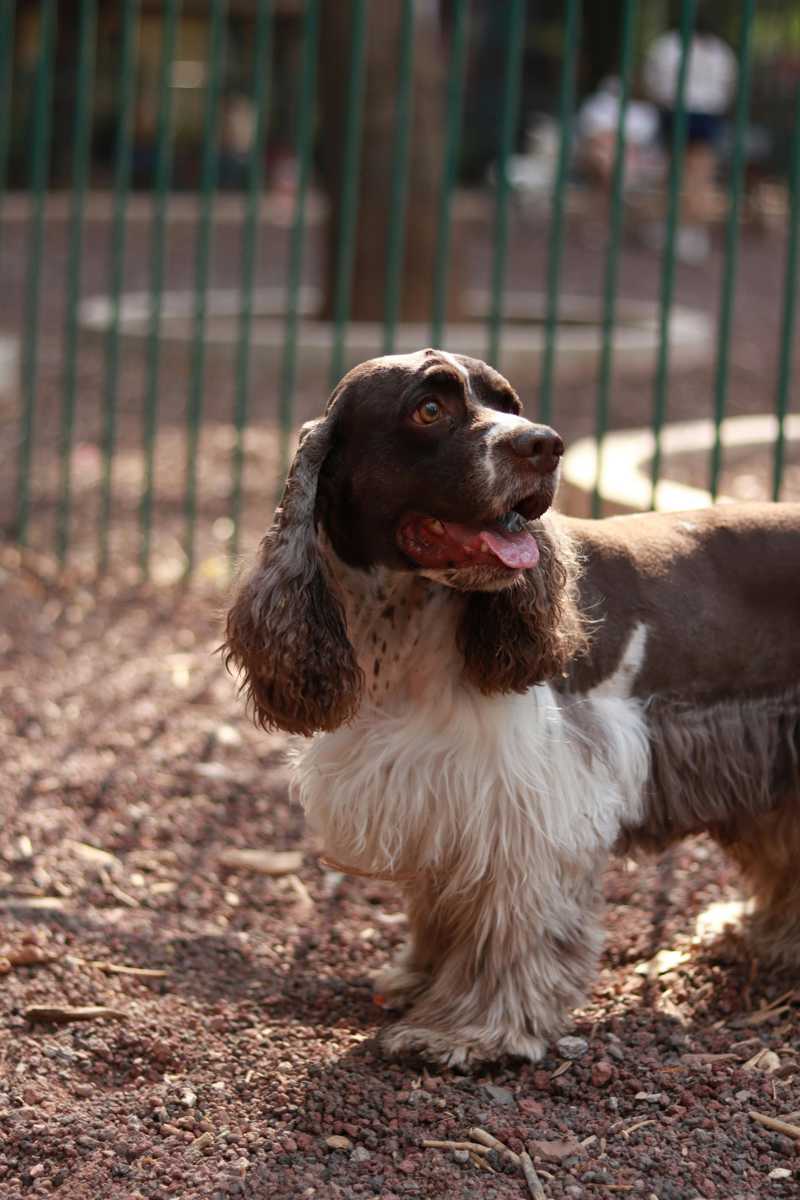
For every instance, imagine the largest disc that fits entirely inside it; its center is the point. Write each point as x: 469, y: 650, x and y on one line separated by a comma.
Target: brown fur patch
x: 529, y: 632
x: 715, y: 765
x: 286, y: 630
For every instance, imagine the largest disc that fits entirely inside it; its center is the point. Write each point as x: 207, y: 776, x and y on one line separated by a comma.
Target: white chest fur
x: 434, y: 776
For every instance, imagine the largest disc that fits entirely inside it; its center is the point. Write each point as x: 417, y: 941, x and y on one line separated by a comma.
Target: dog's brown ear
x: 526, y: 633
x: 286, y: 629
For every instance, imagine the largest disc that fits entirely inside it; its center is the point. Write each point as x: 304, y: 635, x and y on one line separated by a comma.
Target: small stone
x: 337, y: 1142
x: 500, y: 1094
x: 778, y: 1173
x: 572, y: 1047
x: 652, y: 1097
x: 188, y: 1098
x: 360, y: 1155
x: 602, y: 1073
x: 408, y: 1166
x: 461, y: 1156
x: 32, y: 1095
x: 36, y: 1171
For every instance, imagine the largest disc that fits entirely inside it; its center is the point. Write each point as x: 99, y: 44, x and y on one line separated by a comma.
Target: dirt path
x: 129, y: 770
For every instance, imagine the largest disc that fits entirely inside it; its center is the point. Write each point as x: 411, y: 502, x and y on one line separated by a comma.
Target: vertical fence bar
x: 7, y: 10
x: 262, y: 65
x: 630, y: 14
x: 122, y: 174
x: 163, y: 175
x: 565, y: 112
x: 789, y: 305
x: 39, y: 163
x: 688, y: 12
x: 731, y: 241
x: 305, y: 138
x: 346, y: 240
x: 508, y: 127
x: 401, y: 146
x: 87, y: 33
x: 208, y: 182
x: 452, y: 147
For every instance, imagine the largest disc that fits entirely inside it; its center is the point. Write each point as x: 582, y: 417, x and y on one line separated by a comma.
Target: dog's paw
x: 459, y: 1048
x: 398, y: 987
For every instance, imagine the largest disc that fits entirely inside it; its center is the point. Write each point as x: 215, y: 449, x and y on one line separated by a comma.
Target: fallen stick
x: 435, y: 1144
x: 262, y: 862
x: 531, y: 1178
x: 488, y: 1139
x: 119, y: 969
x: 776, y: 1124
x: 62, y: 1014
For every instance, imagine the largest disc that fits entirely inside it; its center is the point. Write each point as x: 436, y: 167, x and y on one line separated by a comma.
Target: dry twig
x: 531, y: 1178
x: 488, y: 1139
x: 119, y: 969
x: 61, y: 1014
x: 436, y: 1144
x: 262, y: 862
x: 775, y: 1123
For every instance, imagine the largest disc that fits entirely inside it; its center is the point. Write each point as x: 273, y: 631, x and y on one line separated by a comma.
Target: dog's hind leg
x: 767, y: 849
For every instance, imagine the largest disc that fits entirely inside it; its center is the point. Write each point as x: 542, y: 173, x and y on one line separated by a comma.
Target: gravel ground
x: 130, y: 772
x: 247, y: 1064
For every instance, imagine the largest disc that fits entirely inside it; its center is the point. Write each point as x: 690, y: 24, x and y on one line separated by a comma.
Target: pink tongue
x: 514, y: 549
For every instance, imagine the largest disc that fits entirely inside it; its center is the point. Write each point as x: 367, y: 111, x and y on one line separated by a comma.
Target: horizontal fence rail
x: 196, y: 243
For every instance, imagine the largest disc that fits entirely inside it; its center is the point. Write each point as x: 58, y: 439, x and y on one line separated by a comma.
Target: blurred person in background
x: 710, y: 86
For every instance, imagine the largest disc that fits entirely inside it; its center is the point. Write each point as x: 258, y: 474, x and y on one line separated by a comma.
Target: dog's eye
x: 426, y: 413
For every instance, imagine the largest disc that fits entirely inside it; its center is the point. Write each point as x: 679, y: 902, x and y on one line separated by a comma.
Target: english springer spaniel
x: 496, y: 698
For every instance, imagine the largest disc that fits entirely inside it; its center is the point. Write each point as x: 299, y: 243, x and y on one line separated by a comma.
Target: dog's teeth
x: 435, y: 527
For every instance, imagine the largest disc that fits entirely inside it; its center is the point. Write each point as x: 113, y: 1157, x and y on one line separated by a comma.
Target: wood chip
x: 773, y: 1009
x: 201, y: 1143
x: 116, y: 892
x: 531, y: 1178
x: 637, y: 1125
x: 304, y: 900
x: 93, y: 854
x: 480, y: 1162
x: 337, y: 1142
x: 436, y: 1144
x: 764, y: 1060
x: 776, y: 1124
x: 565, y: 1066
x: 29, y: 956
x: 62, y: 1014
x: 488, y: 1139
x: 262, y: 862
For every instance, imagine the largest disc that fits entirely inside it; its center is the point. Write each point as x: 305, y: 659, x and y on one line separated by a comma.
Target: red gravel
x: 121, y: 732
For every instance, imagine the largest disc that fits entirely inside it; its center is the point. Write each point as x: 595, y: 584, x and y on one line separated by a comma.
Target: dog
x: 496, y: 696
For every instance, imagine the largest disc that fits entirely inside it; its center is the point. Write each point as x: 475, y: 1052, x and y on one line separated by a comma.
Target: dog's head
x: 433, y: 469
x: 421, y: 463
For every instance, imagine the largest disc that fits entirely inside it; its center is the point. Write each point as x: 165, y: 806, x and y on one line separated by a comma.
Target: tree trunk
x: 368, y: 296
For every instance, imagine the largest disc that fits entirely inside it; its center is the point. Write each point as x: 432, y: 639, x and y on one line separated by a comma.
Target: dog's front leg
x: 495, y: 970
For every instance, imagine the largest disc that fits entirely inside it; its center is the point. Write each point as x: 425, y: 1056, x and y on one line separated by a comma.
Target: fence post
x: 39, y: 170
x: 87, y: 33
x: 262, y: 65
x: 572, y: 20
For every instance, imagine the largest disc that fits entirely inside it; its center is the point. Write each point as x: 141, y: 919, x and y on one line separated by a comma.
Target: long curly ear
x: 286, y: 629
x: 529, y: 632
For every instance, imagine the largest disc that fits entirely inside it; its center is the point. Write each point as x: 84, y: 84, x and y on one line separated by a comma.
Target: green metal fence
x: 49, y: 411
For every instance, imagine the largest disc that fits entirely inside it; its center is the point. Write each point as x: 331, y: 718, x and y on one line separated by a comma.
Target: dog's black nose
x: 541, y: 445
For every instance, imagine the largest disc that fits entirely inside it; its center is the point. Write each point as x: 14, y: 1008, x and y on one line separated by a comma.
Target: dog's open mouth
x: 506, y: 541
